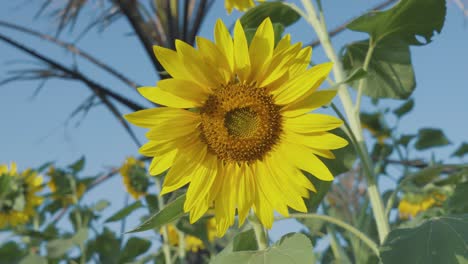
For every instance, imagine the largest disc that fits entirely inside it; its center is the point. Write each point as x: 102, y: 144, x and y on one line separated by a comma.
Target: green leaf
x: 292, y: 248
x: 100, y: 206
x: 78, y: 165
x: 345, y: 157
x: 133, y: 248
x: 124, y: 212
x: 278, y: 13
x: 58, y: 247
x: 245, y: 241
x: 405, y: 108
x: 32, y: 259
x: 10, y: 252
x: 405, y: 140
x: 390, y: 73
x: 168, y: 214
x: 197, y: 229
x: 461, y: 151
x: 152, y: 202
x: 457, y: 203
x: 406, y: 20
x: 430, y: 138
x: 438, y: 240
x: 80, y: 236
x: 108, y: 247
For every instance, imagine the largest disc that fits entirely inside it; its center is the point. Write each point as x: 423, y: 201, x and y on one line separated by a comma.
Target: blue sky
x: 33, y: 130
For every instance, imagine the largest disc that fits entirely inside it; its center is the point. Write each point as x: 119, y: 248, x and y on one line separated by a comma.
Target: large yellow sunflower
x: 237, y: 126
x: 241, y: 5
x: 19, y: 199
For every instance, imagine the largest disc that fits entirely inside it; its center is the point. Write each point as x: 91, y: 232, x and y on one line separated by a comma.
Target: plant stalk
x: 165, y: 231
x: 260, y: 233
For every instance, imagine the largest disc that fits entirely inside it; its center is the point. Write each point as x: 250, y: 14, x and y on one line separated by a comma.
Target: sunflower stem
x: 181, y: 248
x: 165, y: 231
x: 365, y: 239
x: 352, y: 113
x: 260, y: 234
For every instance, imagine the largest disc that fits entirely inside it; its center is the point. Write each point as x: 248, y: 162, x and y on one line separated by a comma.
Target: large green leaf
x: 292, y: 248
x: 31, y: 259
x: 124, y: 212
x: 406, y: 20
x: 457, y: 203
x: 390, y: 73
x: 278, y: 13
x: 10, y: 252
x: 168, y: 214
x: 437, y: 240
x: 430, y: 138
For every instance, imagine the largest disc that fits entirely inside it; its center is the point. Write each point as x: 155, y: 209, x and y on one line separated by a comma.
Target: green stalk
x: 351, y: 111
x: 181, y: 248
x: 351, y: 229
x: 165, y: 232
x: 260, y: 234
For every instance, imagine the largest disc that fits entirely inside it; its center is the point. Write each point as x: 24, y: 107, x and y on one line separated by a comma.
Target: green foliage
x: 292, y: 248
x: 430, y: 138
x: 168, y: 214
x: 276, y: 11
x: 133, y: 248
x: 58, y: 247
x: 461, y: 151
x: 405, y: 21
x: 457, y: 203
x: 11, y: 252
x: 390, y: 73
x: 438, y: 240
x: 404, y: 109
x: 122, y: 213
x: 33, y: 259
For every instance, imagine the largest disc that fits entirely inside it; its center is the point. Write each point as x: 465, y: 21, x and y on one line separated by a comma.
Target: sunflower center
x: 240, y: 123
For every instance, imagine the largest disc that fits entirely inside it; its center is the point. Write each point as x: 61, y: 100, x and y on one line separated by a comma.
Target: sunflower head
x: 236, y: 126
x: 411, y: 205
x: 18, y: 195
x: 241, y: 5
x: 62, y: 188
x: 135, y: 177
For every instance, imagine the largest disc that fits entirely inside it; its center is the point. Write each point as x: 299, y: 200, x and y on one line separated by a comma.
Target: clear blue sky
x: 33, y: 131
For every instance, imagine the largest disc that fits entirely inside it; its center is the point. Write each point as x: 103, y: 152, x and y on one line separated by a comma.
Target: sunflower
x: 410, y: 207
x: 19, y: 199
x: 134, y: 177
x: 61, y: 187
x: 192, y: 243
x: 237, y: 127
x: 241, y: 5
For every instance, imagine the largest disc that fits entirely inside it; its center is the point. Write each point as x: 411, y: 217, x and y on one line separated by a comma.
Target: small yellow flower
x: 18, y: 203
x: 192, y: 243
x: 61, y: 188
x: 409, y: 208
x: 241, y: 5
x: 134, y: 177
x: 237, y: 128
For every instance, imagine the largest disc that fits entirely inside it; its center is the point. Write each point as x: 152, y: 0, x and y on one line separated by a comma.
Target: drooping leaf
x: 133, y: 248
x: 405, y: 108
x: 390, y: 73
x: 406, y: 21
x: 430, y: 138
x: 168, y: 214
x: 124, y: 212
x: 461, y: 151
x: 437, y: 240
x: 292, y: 248
x: 278, y: 13
x: 78, y: 165
x: 457, y: 203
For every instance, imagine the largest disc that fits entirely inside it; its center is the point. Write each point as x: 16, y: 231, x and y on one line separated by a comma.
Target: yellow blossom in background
x: 410, y: 208
x: 237, y: 128
x: 19, y: 198
x: 135, y: 178
x: 241, y: 5
x: 192, y: 243
x: 57, y: 189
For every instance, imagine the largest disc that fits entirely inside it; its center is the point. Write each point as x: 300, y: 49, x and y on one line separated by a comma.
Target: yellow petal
x: 310, y: 123
x: 159, y: 96
x: 224, y: 42
x: 202, y: 178
x: 173, y: 129
x: 322, y: 140
x: 308, y: 103
x: 301, y: 62
x: 241, y: 56
x: 261, y: 48
x: 154, y: 116
x: 303, y: 159
x: 215, y: 57
x: 306, y: 82
x: 184, y: 89
x: 161, y: 163
x: 171, y: 62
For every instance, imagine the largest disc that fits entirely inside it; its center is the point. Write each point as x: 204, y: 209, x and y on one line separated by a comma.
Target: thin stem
x: 165, y: 230
x: 181, y: 248
x: 352, y: 115
x: 260, y: 233
x: 365, y: 239
x: 365, y: 66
